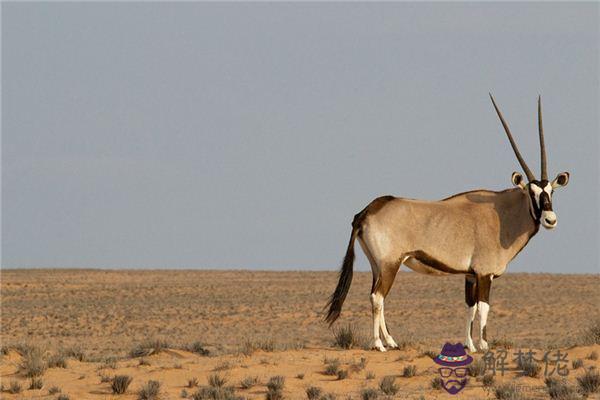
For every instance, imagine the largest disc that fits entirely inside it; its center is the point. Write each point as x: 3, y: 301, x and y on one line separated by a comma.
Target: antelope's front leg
x: 471, y: 300
x: 484, y: 285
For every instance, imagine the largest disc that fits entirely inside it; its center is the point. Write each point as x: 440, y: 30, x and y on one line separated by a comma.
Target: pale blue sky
x: 241, y: 135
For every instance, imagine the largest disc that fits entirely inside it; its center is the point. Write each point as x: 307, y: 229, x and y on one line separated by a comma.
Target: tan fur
x: 476, y: 232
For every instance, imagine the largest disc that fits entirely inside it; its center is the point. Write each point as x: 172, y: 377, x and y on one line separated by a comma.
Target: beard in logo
x: 453, y: 386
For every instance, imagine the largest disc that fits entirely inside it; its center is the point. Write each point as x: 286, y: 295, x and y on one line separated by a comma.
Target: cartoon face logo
x: 453, y: 361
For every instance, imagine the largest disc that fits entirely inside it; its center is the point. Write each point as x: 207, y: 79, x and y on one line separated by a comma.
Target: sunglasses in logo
x: 459, y: 372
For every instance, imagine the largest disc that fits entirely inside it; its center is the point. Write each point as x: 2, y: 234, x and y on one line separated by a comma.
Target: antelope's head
x: 540, y: 190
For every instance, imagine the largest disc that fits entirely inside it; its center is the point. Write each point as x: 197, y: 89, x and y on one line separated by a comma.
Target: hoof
x: 378, y: 345
x: 471, y: 347
x: 483, y: 345
x: 391, y: 343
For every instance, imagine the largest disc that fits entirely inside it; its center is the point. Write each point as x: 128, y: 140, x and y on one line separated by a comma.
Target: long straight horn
x: 526, y: 169
x: 542, y: 145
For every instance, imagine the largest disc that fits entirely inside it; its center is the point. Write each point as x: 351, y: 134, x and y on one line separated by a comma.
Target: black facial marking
x: 545, y: 202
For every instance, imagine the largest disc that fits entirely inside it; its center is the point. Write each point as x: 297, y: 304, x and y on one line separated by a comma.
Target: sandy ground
x: 106, y: 313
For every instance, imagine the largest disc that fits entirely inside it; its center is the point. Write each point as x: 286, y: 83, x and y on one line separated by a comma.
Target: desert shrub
x: 476, y: 368
x: 313, y: 392
x: 342, y: 374
x: 370, y: 375
x: 120, y: 383
x: 589, y: 382
x: 192, y: 382
x: 577, y: 363
x: 275, y: 388
x: 348, y: 337
x: 507, y: 391
x: 409, y: 371
x: 267, y: 345
x: 436, y: 383
x: 559, y: 389
x: 529, y: 367
x: 54, y: 390
x: 300, y: 375
x: 63, y: 397
x: 36, y: 383
x: 592, y: 356
x: 216, y: 380
x: 591, y: 335
x: 149, y: 391
x: 15, y: 387
x: 184, y: 394
x: 488, y: 380
x: 58, y: 360
x: 360, y: 365
x: 215, y: 393
x: 225, y: 365
x: 249, y: 382
x: 388, y: 385
x: 198, y: 348
x: 249, y: 345
x: 332, y: 366
x: 502, y: 343
x: 33, y: 363
x: 148, y: 347
x: 369, y: 394
x: 429, y: 353
x: 75, y: 352
x: 109, y: 362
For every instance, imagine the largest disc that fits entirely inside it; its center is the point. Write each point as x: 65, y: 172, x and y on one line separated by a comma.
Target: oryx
x: 474, y: 233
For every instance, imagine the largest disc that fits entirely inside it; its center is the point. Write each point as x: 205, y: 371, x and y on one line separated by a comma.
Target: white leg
x: 471, y: 311
x: 377, y: 308
x: 389, y: 340
x: 483, y: 309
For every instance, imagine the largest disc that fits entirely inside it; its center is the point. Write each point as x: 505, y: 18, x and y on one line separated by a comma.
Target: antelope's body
x: 474, y: 233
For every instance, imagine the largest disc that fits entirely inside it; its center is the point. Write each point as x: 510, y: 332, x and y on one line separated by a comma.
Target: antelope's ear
x: 517, y: 180
x: 561, y: 180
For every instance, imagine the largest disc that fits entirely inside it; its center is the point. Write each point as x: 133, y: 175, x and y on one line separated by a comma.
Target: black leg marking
x: 484, y: 284
x: 470, y: 290
x: 484, y: 332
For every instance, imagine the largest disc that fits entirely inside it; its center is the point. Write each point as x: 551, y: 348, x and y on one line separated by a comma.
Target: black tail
x: 339, y: 295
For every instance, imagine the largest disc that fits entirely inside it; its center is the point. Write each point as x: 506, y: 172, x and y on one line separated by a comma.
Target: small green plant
x: 332, y: 366
x: 589, y: 382
x: 436, y: 383
x: 216, y: 380
x: 36, y: 383
x: 249, y: 382
x: 15, y: 387
x: 120, y: 383
x: 577, y: 363
x: 388, y: 385
x: 342, y: 374
x: 369, y: 394
x: 192, y: 382
x: 409, y: 371
x: 149, y: 391
x: 313, y: 392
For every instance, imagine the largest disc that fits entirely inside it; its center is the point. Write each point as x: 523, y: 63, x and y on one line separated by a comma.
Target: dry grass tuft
x: 192, y: 382
x: 559, y: 389
x: 249, y: 382
x: 313, y: 392
x: 275, y: 388
x: 529, y: 367
x: 409, y: 371
x: 58, y: 360
x: 36, y: 383
x: 577, y: 363
x: 589, y: 382
x: 476, y: 368
x: 198, y: 348
x: 33, y: 363
x: 507, y: 391
x: 369, y: 394
x: 349, y: 337
x: 436, y: 383
x: 388, y: 385
x: 148, y: 347
x: 216, y: 380
x: 332, y: 366
x: 342, y: 374
x: 592, y: 356
x: 149, y: 391
x: 120, y: 383
x: 15, y: 387
x: 54, y: 390
x: 591, y: 335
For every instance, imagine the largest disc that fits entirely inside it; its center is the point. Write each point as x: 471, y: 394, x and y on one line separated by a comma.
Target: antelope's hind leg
x: 484, y: 285
x: 471, y: 300
x: 381, y: 287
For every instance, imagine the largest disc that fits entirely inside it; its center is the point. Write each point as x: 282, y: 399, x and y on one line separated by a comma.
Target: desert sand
x: 262, y: 324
